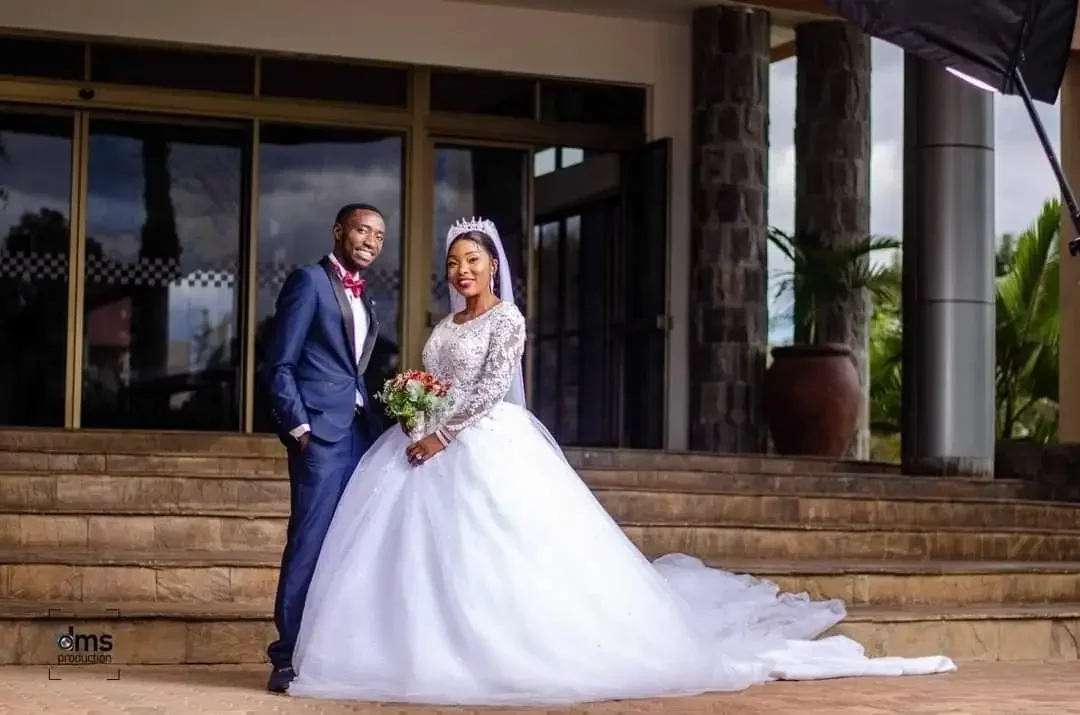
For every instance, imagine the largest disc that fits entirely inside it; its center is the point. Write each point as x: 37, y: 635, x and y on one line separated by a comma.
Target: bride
x: 474, y: 567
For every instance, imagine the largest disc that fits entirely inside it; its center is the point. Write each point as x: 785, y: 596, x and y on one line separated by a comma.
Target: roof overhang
x: 786, y: 14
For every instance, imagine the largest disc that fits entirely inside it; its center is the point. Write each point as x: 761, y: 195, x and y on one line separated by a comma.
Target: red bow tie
x: 356, y: 285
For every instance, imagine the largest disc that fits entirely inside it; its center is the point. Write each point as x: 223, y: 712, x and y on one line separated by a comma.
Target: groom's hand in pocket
x: 304, y: 440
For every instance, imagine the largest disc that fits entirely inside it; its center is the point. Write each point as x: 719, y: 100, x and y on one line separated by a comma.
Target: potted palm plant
x: 812, y: 394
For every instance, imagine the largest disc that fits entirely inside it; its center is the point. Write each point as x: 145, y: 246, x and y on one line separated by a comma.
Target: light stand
x: 1066, y: 191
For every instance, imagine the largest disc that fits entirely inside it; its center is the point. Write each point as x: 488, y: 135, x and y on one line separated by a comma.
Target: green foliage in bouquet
x: 411, y: 395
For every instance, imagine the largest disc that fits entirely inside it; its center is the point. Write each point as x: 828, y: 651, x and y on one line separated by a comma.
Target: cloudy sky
x: 1023, y: 176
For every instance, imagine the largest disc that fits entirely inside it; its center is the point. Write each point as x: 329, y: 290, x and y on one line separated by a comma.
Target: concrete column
x: 1069, y: 298
x: 832, y: 174
x: 948, y: 308
x: 729, y: 195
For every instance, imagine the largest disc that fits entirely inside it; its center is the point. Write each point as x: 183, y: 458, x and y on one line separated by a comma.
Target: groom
x: 320, y: 343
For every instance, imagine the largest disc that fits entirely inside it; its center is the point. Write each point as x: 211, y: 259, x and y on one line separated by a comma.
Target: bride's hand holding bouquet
x: 411, y: 398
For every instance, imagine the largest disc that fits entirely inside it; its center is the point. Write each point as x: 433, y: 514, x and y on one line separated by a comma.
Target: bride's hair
x: 485, y: 242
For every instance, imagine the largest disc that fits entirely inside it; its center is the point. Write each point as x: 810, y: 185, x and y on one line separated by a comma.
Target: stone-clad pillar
x: 832, y: 173
x: 729, y: 184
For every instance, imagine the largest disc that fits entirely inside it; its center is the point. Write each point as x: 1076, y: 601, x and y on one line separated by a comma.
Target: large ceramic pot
x: 812, y: 399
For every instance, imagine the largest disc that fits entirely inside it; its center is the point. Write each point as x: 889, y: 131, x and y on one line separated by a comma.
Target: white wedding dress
x: 491, y: 575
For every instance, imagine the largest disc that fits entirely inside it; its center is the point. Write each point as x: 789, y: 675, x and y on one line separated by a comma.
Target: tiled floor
x: 976, y: 689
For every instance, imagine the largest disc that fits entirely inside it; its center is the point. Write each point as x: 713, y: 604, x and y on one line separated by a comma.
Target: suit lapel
x: 371, y: 337
x: 346, y: 309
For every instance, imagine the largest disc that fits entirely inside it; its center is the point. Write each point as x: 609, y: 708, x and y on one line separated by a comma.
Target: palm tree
x: 1028, y: 321
x: 886, y: 346
x: 1028, y: 328
x: 823, y: 279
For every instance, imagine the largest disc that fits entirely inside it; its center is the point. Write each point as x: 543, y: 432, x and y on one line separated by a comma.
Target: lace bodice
x: 478, y: 359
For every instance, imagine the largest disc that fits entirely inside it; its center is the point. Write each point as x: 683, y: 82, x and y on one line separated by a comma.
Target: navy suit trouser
x: 318, y: 476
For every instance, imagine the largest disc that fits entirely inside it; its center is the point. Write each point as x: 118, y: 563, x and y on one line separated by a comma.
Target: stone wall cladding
x: 832, y: 171
x: 729, y: 183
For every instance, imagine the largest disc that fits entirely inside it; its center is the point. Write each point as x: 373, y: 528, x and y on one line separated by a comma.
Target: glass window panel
x: 305, y: 175
x: 571, y: 273
x: 547, y: 398
x: 548, y: 279
x: 174, y: 69
x: 48, y: 59
x: 480, y: 93
x: 486, y: 182
x: 588, y: 103
x: 35, y: 202
x: 161, y: 320
x: 335, y: 81
x: 568, y: 156
x: 544, y: 161
x: 568, y: 394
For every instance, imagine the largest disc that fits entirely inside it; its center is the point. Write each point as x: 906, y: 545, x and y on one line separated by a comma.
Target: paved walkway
x: 976, y: 689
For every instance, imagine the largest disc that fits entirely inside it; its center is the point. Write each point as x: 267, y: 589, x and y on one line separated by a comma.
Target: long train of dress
x: 491, y: 575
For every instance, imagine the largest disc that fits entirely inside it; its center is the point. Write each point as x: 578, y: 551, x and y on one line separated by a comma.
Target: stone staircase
x: 170, y: 544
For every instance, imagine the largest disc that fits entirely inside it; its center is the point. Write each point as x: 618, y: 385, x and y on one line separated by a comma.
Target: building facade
x: 165, y: 166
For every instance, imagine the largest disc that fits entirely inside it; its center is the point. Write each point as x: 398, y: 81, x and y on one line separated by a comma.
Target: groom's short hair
x: 349, y: 209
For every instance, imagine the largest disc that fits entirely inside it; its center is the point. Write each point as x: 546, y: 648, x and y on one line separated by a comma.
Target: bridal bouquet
x: 412, y: 395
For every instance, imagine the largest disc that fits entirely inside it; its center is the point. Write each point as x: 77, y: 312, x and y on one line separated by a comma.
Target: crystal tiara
x: 463, y: 226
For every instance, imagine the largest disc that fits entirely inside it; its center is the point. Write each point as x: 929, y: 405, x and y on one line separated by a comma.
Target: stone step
x: 34, y: 478
x: 75, y: 575
x: 868, y: 541
x: 130, y: 442
x: 178, y: 495
x: 250, y: 530
x: 196, y: 463
x: 846, y: 484
x: 1010, y: 633
x: 157, y: 633
x: 162, y: 576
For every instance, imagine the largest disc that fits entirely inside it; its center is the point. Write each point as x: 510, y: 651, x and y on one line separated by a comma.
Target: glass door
x: 305, y: 174
x: 642, y: 330
x: 161, y: 308
x: 575, y: 374
x: 36, y: 169
x: 600, y: 255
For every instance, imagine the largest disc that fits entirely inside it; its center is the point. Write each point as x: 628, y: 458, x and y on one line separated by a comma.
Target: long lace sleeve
x: 505, y: 348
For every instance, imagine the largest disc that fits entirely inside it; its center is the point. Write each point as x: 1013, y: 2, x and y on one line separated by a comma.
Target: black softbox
x: 1011, y: 46
x: 984, y: 39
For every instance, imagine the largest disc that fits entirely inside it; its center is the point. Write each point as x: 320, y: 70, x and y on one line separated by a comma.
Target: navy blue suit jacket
x: 310, y: 364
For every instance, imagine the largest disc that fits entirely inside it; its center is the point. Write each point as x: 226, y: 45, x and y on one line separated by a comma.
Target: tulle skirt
x: 491, y: 576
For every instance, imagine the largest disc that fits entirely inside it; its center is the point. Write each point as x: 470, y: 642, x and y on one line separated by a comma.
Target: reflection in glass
x: 547, y: 326
x: 35, y: 198
x: 484, y: 182
x: 163, y: 230
x: 576, y: 327
x: 571, y: 156
x: 597, y: 354
x: 305, y: 175
x: 545, y: 161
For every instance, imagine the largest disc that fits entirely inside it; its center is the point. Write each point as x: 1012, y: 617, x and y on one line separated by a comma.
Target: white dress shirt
x: 360, y: 330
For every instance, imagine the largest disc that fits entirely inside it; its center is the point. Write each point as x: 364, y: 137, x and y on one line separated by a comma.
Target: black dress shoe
x: 280, y: 679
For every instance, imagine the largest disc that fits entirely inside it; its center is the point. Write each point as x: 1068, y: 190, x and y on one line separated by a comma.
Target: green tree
x: 886, y: 344
x: 823, y: 279
x: 1028, y: 328
x: 1027, y: 270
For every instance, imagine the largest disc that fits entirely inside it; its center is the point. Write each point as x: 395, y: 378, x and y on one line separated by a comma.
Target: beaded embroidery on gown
x: 490, y: 575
